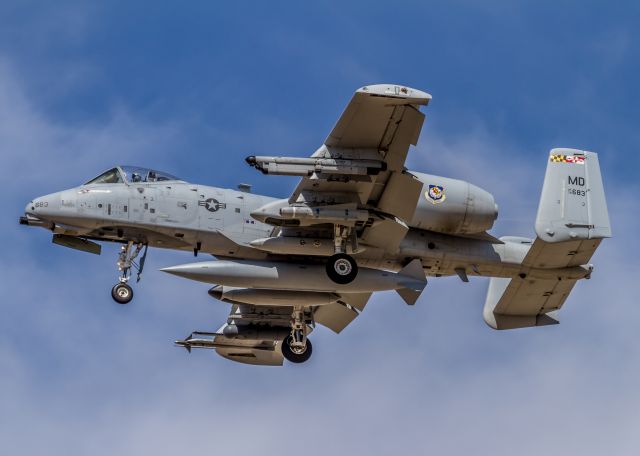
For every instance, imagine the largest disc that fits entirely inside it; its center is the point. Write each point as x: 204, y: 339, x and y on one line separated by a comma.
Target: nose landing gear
x: 122, y: 293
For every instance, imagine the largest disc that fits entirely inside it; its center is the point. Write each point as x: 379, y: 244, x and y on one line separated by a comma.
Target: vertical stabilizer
x: 572, y: 204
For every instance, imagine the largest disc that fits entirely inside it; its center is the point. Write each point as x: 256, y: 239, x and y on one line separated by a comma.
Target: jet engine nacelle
x: 453, y: 206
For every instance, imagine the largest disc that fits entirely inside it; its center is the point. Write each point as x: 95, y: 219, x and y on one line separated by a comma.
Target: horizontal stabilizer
x: 523, y: 303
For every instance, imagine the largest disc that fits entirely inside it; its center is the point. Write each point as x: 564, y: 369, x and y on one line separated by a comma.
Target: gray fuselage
x: 178, y: 215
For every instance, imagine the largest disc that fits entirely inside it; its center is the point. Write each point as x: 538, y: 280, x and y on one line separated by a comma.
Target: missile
x: 297, y: 166
x: 408, y: 282
x: 231, y: 333
x: 279, y: 212
x: 285, y: 245
x: 260, y: 297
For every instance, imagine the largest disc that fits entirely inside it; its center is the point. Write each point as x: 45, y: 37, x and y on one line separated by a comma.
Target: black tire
x: 122, y: 293
x: 292, y: 356
x: 342, y: 268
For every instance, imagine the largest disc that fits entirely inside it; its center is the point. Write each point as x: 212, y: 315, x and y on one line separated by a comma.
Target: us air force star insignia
x: 435, y: 194
x: 212, y: 204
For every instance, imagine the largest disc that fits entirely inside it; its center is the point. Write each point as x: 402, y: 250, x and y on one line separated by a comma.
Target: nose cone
x: 29, y: 208
x: 194, y: 271
x: 270, y: 210
x: 216, y: 292
x: 45, y: 207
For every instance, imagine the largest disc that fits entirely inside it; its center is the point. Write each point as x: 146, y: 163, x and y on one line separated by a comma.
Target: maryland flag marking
x: 577, y: 159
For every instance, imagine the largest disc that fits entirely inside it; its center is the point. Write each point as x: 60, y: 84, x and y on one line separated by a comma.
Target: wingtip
x: 414, y: 96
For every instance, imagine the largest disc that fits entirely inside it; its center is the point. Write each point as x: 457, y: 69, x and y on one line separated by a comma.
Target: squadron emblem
x: 212, y: 204
x: 435, y: 194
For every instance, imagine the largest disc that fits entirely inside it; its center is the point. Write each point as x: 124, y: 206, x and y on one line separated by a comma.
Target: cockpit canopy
x: 130, y: 175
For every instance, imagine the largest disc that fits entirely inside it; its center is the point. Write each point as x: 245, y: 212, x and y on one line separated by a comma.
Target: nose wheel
x: 121, y: 292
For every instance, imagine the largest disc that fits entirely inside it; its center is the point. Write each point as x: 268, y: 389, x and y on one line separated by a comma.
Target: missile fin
x: 412, y: 288
x: 409, y: 296
x: 414, y: 269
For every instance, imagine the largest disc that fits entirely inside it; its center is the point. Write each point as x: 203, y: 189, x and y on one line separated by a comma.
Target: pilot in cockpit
x: 131, y: 174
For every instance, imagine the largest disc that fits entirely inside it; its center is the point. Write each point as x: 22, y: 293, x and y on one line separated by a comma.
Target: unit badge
x: 435, y: 194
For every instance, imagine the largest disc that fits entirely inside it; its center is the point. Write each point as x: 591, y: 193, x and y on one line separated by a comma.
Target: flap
x: 385, y: 233
x: 400, y: 196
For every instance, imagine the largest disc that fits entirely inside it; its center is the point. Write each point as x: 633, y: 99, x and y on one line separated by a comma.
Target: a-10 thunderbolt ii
x: 358, y: 222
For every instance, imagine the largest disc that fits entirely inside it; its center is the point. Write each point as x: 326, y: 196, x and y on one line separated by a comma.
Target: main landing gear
x: 296, y: 347
x: 342, y: 268
x: 121, y: 292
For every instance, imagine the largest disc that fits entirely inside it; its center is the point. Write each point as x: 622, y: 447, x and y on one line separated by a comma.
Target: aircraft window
x: 108, y: 177
x: 135, y: 174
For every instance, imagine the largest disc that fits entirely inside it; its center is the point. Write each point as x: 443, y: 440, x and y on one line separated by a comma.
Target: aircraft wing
x: 340, y: 314
x: 380, y: 123
x: 360, y: 166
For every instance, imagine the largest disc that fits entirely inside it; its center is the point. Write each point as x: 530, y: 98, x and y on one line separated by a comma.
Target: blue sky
x: 193, y: 88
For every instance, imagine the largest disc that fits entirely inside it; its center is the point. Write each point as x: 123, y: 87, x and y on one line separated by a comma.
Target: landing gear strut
x: 342, y: 268
x: 122, y: 293
x: 296, y: 347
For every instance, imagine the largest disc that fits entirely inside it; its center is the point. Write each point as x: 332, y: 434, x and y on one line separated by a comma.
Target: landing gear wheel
x: 122, y: 293
x: 295, y: 354
x: 342, y: 268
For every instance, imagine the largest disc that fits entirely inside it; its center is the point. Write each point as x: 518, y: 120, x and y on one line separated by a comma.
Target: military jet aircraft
x: 358, y: 222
